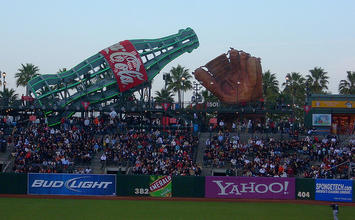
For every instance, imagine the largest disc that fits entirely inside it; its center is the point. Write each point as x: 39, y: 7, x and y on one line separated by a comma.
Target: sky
x: 288, y: 36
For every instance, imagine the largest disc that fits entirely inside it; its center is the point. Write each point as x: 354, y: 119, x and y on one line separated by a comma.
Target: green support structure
x: 93, y: 80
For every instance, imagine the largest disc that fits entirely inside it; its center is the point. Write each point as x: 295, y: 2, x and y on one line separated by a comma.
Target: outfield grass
x: 65, y: 209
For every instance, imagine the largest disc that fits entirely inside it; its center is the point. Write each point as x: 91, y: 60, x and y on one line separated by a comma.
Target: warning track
x: 310, y: 202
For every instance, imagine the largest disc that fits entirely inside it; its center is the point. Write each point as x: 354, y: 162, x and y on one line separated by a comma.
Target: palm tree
x: 164, y: 96
x: 208, y: 96
x: 25, y: 74
x: 318, y: 80
x: 62, y: 70
x: 270, y: 86
x: 59, y: 85
x: 295, y: 87
x: 348, y: 86
x: 179, y: 81
x: 295, y: 93
x: 8, y: 96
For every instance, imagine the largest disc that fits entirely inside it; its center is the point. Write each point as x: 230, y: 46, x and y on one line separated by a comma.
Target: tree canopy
x: 347, y: 87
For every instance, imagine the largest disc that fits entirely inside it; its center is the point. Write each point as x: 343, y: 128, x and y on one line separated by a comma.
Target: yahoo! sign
x: 250, y: 187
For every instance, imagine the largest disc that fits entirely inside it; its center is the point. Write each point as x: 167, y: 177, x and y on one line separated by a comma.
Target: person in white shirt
x: 234, y: 162
x: 221, y: 124
x: 234, y: 127
x: 113, y: 114
x: 103, y: 160
x: 86, y: 122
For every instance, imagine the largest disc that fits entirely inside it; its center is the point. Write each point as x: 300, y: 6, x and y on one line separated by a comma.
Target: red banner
x: 33, y: 118
x: 165, y: 106
x: 307, y: 108
x: 213, y: 120
x: 85, y: 105
x: 27, y: 98
x: 126, y: 64
x: 165, y: 121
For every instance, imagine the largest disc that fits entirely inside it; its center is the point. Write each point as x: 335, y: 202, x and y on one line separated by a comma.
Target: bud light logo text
x: 71, y: 184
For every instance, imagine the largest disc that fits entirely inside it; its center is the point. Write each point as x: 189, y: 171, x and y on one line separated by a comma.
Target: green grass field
x: 65, y: 209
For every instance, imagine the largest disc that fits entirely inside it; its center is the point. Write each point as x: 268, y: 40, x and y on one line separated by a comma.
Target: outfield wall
x: 334, y: 190
x: 13, y: 183
x: 305, y: 189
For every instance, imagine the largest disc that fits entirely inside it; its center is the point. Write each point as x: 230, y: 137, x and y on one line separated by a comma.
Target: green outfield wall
x: 128, y: 185
x: 13, y: 183
x: 195, y: 186
x: 188, y: 186
x: 305, y: 189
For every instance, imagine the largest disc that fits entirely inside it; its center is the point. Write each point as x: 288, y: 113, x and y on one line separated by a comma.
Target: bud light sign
x: 71, y: 184
x: 250, y: 188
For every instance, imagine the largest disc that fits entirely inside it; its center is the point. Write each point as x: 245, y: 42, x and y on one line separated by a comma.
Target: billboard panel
x: 160, y: 186
x: 144, y: 185
x: 71, y: 184
x: 333, y: 104
x: 334, y: 190
x: 250, y: 187
x: 321, y: 119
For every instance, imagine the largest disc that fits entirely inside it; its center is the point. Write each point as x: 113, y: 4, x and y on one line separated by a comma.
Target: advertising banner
x: 321, y: 119
x: 333, y: 104
x: 71, y: 184
x: 250, y: 187
x: 160, y: 186
x: 334, y: 190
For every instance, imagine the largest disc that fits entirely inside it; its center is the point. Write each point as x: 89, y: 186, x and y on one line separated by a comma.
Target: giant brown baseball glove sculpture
x: 234, y: 77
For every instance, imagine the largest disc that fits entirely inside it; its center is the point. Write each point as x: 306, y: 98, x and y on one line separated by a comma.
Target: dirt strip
x: 310, y: 202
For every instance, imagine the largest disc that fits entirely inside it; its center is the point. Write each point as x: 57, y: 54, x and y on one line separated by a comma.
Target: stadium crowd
x: 310, y: 157
x: 126, y: 142
x: 149, y: 148
x: 154, y: 153
x: 257, y: 126
x: 38, y: 148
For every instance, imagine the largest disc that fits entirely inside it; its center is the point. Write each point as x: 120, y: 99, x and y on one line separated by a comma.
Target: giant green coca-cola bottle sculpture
x: 122, y: 67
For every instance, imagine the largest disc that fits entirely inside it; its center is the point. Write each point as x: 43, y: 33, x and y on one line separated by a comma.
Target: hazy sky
x: 289, y: 36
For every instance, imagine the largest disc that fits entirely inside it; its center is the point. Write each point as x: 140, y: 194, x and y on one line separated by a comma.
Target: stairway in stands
x: 95, y: 165
x: 201, y: 147
x: 6, y: 161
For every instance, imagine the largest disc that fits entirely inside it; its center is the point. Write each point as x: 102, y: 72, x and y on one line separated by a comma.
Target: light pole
x: 3, y: 81
x: 238, y: 83
x: 166, y: 78
x: 196, y: 96
x: 289, y: 83
x: 182, y: 90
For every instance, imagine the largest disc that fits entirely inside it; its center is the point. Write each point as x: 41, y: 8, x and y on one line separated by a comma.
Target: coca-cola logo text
x: 126, y: 64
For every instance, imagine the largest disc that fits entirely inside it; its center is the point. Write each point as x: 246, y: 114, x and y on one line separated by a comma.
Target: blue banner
x: 71, y: 184
x: 334, y: 190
